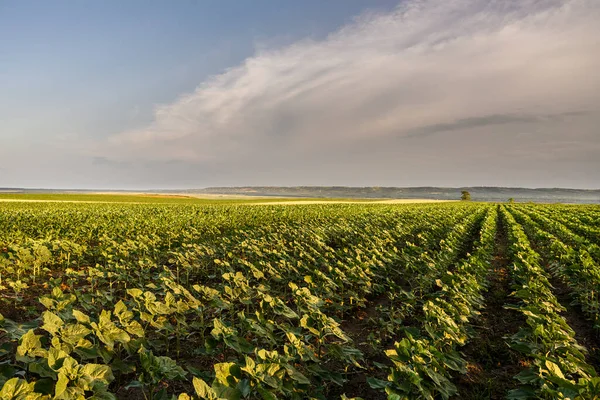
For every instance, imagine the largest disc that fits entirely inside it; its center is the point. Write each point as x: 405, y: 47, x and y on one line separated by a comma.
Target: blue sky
x: 156, y: 94
x: 101, y: 66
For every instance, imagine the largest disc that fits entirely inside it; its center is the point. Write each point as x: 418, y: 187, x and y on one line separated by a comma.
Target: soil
x: 358, y: 328
x: 491, y: 363
x: 585, y: 334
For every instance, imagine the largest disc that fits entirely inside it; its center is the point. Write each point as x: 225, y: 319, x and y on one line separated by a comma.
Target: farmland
x: 205, y: 300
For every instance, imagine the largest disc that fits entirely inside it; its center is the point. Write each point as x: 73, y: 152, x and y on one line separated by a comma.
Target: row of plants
x: 581, y: 220
x: 425, y: 359
x: 561, y: 225
x: 213, y: 304
x: 326, y: 349
x: 555, y: 225
x: 557, y: 365
x: 112, y: 301
x: 573, y: 266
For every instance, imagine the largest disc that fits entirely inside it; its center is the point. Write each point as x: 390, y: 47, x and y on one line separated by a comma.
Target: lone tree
x: 465, y: 196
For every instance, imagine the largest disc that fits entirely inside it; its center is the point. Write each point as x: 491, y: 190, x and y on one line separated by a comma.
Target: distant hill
x: 551, y: 195
x: 479, y: 193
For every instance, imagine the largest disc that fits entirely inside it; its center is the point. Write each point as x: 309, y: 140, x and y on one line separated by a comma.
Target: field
x: 184, y: 298
x: 130, y: 198
x: 141, y: 198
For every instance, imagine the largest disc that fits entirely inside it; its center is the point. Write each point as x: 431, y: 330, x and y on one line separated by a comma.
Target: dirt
x: 584, y: 331
x: 26, y: 307
x: 358, y: 328
x: 585, y: 334
x: 491, y: 363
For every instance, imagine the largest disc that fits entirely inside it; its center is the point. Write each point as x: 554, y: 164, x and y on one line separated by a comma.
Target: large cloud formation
x: 430, y: 91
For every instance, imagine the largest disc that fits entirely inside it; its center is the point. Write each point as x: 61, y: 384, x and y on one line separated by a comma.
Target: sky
x: 146, y: 94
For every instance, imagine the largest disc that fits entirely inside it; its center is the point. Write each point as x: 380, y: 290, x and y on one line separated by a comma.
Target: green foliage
x: 250, y: 302
x: 558, y: 365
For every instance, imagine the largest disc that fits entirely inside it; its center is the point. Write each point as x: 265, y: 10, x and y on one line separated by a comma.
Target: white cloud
x: 429, y: 65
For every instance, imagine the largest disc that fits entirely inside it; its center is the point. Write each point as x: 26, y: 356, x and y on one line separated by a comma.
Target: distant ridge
x: 482, y: 193
x: 478, y: 193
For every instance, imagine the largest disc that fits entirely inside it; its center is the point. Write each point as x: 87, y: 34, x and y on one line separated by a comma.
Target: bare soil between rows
x: 491, y: 363
x: 584, y: 331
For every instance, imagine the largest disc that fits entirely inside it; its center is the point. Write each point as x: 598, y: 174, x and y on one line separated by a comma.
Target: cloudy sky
x: 154, y: 94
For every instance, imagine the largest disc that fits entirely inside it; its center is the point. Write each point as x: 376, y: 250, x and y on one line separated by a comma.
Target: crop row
x: 558, y: 368
x: 425, y: 359
x: 573, y: 265
x: 260, y: 306
x: 271, y: 302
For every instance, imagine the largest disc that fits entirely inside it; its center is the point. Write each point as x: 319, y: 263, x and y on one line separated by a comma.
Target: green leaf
x: 554, y: 369
x: 226, y: 392
x: 30, y: 347
x: 70, y: 368
x: 160, y: 368
x: 73, y: 333
x: 135, y: 293
x: 41, y: 368
x: 45, y: 386
x: 16, y: 389
x: 61, y: 385
x: 266, y: 395
x: 56, y: 358
x: 52, y: 322
x: 527, y: 376
x: 108, y: 332
x: 16, y: 330
x: 222, y: 373
x: 20, y: 389
x: 81, y: 317
x: 97, y: 373
x: 6, y: 371
x: 523, y: 393
x: 375, y: 383
x: 135, y: 328
x: 296, y: 375
x: 203, y: 390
